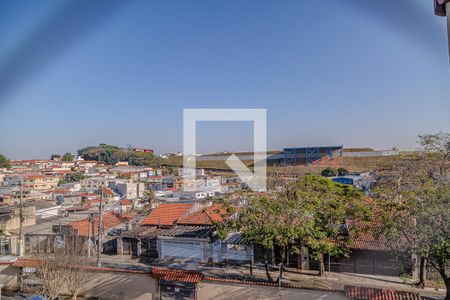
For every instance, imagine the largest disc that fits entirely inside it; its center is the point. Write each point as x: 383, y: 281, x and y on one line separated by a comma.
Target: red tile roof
x: 110, y: 219
x: 365, y: 237
x: 125, y: 202
x: 208, y: 216
x: 25, y: 262
x: 364, y: 293
x: 197, y: 218
x: 167, y: 214
x: 176, y: 275
x: 107, y: 192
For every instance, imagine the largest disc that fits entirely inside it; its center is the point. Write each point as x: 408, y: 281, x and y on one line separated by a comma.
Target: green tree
x: 149, y: 196
x: 308, y: 213
x: 342, y: 172
x: 55, y: 157
x: 329, y: 204
x: 412, y: 206
x: 4, y: 162
x: 74, y: 177
x: 103, y: 152
x: 113, y: 154
x: 329, y: 172
x: 142, y: 159
x: 67, y: 157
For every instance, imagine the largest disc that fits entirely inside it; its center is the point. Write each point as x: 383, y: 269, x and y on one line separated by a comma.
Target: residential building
x: 47, y: 209
x: 194, y: 239
x: 10, y: 216
x: 93, y: 183
x: 125, y: 205
x: 85, y: 227
x: 39, y: 182
x: 167, y: 214
x: 129, y: 189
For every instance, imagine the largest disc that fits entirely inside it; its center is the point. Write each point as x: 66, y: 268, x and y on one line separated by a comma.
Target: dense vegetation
x: 330, y: 172
x: 67, y: 157
x: 112, y: 154
x: 4, y: 162
x: 74, y: 177
x: 308, y: 213
x: 412, y: 207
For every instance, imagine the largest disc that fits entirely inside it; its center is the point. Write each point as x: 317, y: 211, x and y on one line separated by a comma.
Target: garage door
x: 181, y: 250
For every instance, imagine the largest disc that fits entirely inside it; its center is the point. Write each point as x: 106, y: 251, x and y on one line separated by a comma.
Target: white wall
x: 217, y: 291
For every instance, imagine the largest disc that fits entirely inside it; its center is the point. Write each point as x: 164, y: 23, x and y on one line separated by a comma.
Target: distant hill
x: 353, y: 164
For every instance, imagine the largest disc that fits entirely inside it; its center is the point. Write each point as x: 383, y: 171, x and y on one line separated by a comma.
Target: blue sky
x: 358, y: 73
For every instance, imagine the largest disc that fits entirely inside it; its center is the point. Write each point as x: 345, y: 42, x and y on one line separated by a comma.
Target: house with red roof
x: 89, y: 226
x: 167, y: 214
x: 194, y: 238
x: 125, y: 205
x: 141, y: 241
x: 372, y: 253
x: 172, y: 228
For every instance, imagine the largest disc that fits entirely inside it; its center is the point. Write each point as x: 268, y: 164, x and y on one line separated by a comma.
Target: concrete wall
x: 29, y: 213
x: 9, y: 277
x: 185, y: 249
x: 115, y: 285
x: 100, y: 284
x: 208, y: 290
x: 371, y: 153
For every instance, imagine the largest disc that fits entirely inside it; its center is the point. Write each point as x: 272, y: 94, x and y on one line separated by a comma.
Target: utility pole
x: 280, y: 271
x: 253, y: 261
x: 100, y: 231
x: 89, y: 236
x: 20, y: 219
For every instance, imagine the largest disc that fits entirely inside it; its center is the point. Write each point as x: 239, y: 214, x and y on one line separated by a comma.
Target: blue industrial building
x: 308, y: 155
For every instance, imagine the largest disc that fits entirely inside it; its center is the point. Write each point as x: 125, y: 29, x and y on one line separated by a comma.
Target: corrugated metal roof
x: 234, y: 238
x: 189, y: 231
x: 144, y: 231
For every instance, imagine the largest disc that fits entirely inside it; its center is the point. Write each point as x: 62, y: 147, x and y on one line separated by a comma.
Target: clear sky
x: 361, y: 73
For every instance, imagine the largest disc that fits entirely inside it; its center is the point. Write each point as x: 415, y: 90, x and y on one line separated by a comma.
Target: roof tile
x: 176, y: 275
x: 167, y: 214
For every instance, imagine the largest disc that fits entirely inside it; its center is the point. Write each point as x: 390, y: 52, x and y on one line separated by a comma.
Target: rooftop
x: 176, y: 275
x: 208, y: 216
x: 144, y: 231
x: 167, y: 214
x: 189, y: 231
x: 110, y: 220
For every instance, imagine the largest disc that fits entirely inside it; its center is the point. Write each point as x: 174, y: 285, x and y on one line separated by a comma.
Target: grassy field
x: 353, y: 164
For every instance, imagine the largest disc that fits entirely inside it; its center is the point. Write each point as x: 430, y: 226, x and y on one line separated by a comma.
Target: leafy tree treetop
x: 113, y: 154
x: 309, y: 212
x: 329, y: 172
x: 412, y: 205
x: 67, y: 157
x: 342, y: 172
x: 4, y: 162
